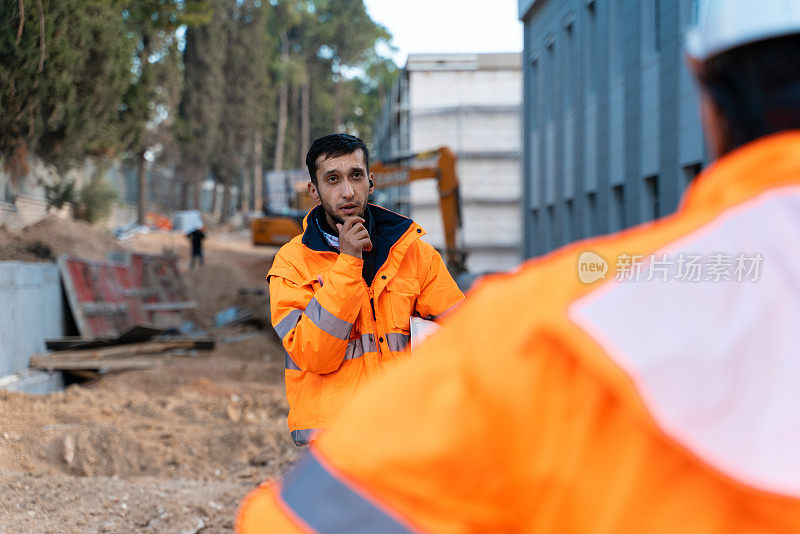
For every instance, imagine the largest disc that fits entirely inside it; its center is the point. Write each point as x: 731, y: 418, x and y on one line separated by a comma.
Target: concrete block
x: 32, y: 311
x: 34, y: 382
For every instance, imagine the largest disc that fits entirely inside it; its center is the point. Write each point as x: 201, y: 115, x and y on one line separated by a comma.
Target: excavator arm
x: 444, y: 172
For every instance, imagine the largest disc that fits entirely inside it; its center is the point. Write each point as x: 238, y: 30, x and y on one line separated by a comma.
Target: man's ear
x: 371, y: 183
x: 313, y: 192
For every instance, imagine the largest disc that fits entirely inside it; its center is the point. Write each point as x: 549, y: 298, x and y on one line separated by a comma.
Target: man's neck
x: 329, y: 224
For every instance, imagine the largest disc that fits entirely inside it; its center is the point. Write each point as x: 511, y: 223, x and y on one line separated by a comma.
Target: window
x: 591, y: 49
x: 617, y: 52
x: 568, y: 62
x: 550, y: 229
x: 569, y: 209
x: 533, y: 233
x: 690, y: 172
x: 551, y: 81
x: 651, y: 27
x: 590, y: 217
x: 652, y: 201
x: 534, y: 94
x: 657, y: 25
x: 619, y: 213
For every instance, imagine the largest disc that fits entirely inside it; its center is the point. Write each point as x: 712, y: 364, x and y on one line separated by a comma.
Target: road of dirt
x: 169, y: 449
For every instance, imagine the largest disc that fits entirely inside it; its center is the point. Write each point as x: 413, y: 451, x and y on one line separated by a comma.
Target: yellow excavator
x: 277, y: 229
x: 409, y: 169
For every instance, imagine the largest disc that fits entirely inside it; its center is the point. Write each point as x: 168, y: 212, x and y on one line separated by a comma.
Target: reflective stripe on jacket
x: 336, y: 330
x: 644, y: 404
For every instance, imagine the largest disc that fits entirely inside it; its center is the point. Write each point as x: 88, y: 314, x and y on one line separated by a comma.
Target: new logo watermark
x: 591, y: 267
x: 680, y: 267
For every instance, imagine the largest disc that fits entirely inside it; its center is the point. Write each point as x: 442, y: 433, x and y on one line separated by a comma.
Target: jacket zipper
x: 374, y: 315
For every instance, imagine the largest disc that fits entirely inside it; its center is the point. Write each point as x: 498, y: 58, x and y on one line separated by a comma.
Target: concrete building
x: 612, y: 130
x: 471, y: 103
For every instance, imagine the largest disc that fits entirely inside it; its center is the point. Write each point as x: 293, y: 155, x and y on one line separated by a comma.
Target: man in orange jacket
x: 663, y: 398
x: 342, y: 294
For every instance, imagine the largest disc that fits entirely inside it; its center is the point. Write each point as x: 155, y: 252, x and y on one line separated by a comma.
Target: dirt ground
x: 169, y: 449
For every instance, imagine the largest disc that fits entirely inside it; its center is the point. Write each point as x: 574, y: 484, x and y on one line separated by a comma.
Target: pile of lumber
x: 119, y: 357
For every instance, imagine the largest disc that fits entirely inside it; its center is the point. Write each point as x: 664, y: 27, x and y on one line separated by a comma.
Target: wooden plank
x: 169, y: 306
x: 76, y: 342
x: 121, y: 351
x: 198, y: 343
x: 112, y: 364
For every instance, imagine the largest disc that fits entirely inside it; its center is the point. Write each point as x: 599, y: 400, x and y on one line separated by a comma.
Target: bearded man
x: 342, y: 294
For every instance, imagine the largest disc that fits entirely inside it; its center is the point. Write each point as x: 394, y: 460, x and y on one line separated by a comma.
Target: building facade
x: 471, y: 103
x: 612, y: 131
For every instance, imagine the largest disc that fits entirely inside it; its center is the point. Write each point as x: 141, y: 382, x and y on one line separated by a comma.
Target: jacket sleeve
x: 314, y: 320
x: 439, y: 293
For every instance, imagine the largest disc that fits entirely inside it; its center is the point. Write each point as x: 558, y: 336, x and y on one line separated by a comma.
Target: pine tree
x: 201, y: 101
x: 64, y: 66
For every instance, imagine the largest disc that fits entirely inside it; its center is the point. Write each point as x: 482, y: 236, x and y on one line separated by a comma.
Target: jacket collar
x: 770, y: 161
x: 394, y: 233
x: 385, y: 226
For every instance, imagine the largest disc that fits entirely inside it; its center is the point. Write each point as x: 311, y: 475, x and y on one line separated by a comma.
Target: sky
x: 448, y: 25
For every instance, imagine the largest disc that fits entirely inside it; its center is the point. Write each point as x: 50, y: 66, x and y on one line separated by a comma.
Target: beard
x: 338, y: 218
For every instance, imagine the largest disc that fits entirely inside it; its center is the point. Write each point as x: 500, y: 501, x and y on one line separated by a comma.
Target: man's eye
x: 332, y: 178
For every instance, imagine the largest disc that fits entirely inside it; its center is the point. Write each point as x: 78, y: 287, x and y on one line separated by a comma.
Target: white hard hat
x: 725, y: 24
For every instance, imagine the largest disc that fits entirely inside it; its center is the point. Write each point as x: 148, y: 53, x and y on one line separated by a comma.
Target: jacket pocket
x: 402, y: 296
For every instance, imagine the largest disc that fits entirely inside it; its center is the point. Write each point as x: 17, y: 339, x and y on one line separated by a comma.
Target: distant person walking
x: 196, y: 236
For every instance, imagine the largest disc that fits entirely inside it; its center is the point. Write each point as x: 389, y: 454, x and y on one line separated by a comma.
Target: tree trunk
x: 244, y: 194
x: 141, y: 182
x: 183, y: 201
x: 226, y: 204
x: 305, y: 119
x: 214, y: 202
x: 337, y: 105
x: 283, y: 108
x: 258, y: 172
x: 197, y: 184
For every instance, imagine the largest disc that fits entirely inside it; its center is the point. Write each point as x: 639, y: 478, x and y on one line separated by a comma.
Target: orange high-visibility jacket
x: 336, y: 330
x: 660, y: 399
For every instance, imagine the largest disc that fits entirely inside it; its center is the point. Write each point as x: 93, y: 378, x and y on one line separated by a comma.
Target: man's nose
x: 347, y: 190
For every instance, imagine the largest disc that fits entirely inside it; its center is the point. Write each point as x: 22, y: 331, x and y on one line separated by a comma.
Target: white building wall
x: 477, y: 113
x: 443, y: 87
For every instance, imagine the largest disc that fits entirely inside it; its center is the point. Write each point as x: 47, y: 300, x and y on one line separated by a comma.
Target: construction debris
x: 231, y: 316
x: 162, y: 292
x: 101, y: 297
x: 136, y: 334
x: 108, y: 358
x: 109, y: 298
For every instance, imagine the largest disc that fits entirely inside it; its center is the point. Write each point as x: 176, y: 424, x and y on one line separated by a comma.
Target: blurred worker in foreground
x: 641, y: 402
x: 196, y: 237
x: 342, y: 294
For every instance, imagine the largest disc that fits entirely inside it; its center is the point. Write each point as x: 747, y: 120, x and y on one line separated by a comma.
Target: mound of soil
x: 53, y: 236
x: 215, y: 423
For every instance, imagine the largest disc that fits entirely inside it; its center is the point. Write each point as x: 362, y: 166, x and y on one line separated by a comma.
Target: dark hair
x: 756, y: 88
x: 333, y: 146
